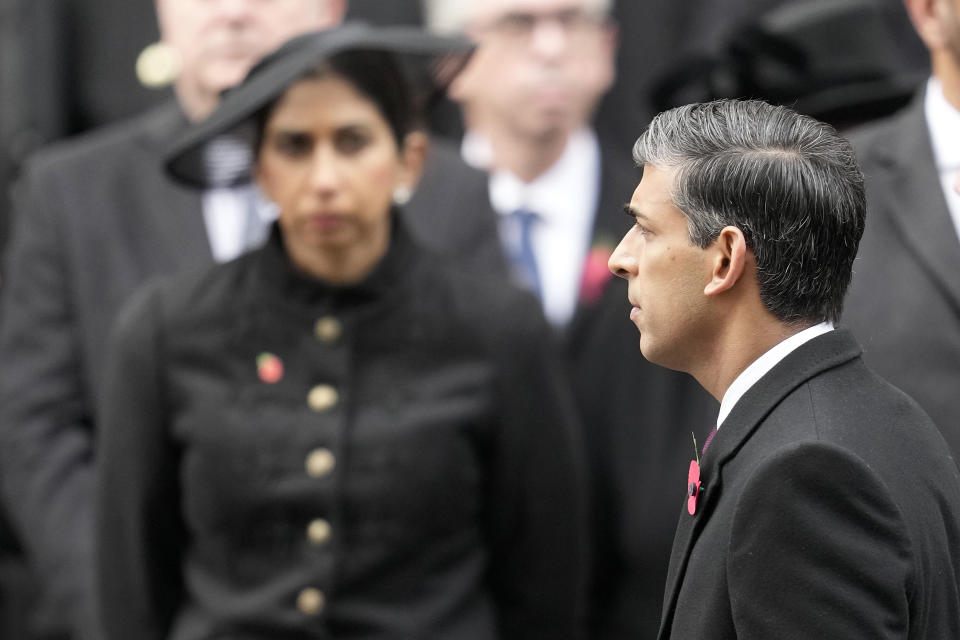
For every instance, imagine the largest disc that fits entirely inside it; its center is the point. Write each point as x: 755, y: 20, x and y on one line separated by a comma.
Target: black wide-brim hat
x: 431, y: 62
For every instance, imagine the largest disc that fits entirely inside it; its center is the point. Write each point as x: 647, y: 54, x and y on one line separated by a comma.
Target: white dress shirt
x: 943, y: 121
x: 225, y: 213
x: 565, y: 197
x: 762, y: 365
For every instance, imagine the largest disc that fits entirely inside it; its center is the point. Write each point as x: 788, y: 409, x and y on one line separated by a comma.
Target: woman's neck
x: 339, y: 265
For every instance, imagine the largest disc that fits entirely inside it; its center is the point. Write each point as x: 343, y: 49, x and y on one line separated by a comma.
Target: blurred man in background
x: 527, y: 96
x: 904, y: 301
x: 97, y: 216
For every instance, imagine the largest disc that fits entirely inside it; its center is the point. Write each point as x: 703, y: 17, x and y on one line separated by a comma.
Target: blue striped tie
x: 522, y: 255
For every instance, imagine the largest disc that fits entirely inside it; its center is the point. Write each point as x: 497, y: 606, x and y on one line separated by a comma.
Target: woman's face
x: 330, y: 162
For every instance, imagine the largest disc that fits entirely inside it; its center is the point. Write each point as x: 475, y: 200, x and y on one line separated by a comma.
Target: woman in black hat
x: 338, y: 435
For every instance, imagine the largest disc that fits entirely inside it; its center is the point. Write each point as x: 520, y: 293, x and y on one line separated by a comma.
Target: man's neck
x: 526, y: 157
x: 946, y: 67
x: 196, y: 105
x: 736, y: 349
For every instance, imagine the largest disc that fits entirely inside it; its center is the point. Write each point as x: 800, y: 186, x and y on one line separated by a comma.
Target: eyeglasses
x: 518, y: 27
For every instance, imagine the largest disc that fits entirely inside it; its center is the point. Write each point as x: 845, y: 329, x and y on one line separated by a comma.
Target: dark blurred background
x: 68, y: 65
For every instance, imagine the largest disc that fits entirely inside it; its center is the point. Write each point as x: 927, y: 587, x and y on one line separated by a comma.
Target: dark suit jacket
x: 637, y: 417
x: 904, y: 301
x: 98, y: 218
x: 831, y: 509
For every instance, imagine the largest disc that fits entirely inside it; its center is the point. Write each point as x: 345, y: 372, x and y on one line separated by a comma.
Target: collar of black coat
x: 287, y: 285
x: 824, y: 352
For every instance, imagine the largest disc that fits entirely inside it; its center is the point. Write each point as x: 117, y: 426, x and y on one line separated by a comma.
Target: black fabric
x: 98, y: 217
x: 830, y: 508
x: 456, y: 499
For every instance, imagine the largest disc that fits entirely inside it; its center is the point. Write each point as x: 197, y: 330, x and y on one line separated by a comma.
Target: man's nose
x: 234, y: 9
x: 549, y: 38
x: 620, y: 262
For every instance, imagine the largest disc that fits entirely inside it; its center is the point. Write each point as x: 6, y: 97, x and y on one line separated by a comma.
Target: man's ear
x: 728, y: 261
x: 929, y: 18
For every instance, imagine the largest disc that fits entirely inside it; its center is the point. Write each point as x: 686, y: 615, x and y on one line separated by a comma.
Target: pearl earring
x: 402, y: 194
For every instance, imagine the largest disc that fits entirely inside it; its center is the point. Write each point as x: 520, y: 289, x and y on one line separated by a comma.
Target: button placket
x: 330, y: 359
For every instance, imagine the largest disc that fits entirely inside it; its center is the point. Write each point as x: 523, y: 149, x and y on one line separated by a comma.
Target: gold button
x: 322, y: 397
x: 327, y: 329
x: 319, y: 531
x: 311, y: 601
x: 320, y: 462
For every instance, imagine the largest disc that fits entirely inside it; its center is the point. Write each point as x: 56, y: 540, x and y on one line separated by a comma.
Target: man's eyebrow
x: 633, y: 212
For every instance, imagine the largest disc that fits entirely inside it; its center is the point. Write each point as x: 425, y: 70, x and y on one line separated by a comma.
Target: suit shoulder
x: 490, y: 303
x: 206, y: 294
x: 107, y: 145
x: 870, y: 138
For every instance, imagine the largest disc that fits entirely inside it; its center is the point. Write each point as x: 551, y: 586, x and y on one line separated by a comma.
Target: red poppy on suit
x: 269, y: 368
x: 693, y: 487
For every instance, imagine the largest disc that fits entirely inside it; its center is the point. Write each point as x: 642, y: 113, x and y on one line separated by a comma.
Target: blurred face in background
x: 217, y: 41
x: 540, y: 67
x: 950, y: 18
x: 329, y: 160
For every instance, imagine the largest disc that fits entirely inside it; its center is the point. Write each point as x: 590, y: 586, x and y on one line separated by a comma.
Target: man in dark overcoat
x: 825, y: 503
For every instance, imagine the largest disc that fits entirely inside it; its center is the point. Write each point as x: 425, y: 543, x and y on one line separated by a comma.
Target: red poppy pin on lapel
x: 269, y: 368
x: 693, y: 480
x: 693, y: 487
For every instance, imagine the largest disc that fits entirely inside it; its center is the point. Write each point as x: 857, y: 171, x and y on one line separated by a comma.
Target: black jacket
x: 830, y: 508
x: 412, y: 474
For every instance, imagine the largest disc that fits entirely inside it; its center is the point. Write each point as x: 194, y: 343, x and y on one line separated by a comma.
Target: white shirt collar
x: 943, y: 121
x: 565, y: 190
x: 566, y: 198
x: 762, y: 365
x: 476, y: 150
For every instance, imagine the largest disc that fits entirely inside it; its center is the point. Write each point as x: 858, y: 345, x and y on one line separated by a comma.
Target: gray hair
x: 790, y: 183
x: 449, y: 17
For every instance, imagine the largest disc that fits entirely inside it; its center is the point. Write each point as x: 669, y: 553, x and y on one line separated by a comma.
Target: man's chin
x: 224, y: 75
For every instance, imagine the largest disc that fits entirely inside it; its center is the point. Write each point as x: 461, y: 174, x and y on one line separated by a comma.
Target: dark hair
x: 788, y: 181
x: 376, y: 74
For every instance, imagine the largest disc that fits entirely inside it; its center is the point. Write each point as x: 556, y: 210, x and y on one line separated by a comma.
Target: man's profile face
x: 540, y: 66
x: 666, y: 275
x: 219, y: 40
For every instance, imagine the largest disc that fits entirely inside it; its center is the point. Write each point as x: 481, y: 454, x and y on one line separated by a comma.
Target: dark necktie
x: 521, y: 255
x: 706, y: 443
